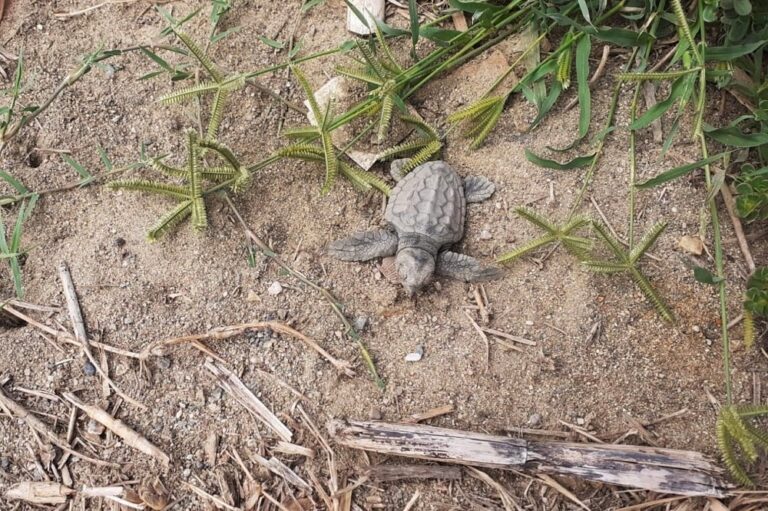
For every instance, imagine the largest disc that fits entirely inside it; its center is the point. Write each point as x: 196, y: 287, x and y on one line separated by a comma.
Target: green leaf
x: 729, y: 53
x: 358, y: 14
x: 679, y: 88
x: 221, y: 35
x: 583, y: 48
x: 105, y: 158
x: 157, y: 59
x: 473, y: 7
x: 585, y: 11
x: 742, y: 7
x: 82, y: 171
x: 677, y: 172
x: 306, y: 6
x: 413, y: 14
x: 705, y: 276
x: 441, y: 36
x: 15, y: 183
x: 578, y: 162
x: 271, y: 42
x: 732, y: 136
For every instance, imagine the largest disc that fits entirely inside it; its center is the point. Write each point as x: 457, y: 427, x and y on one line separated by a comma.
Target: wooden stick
x: 730, y: 206
x: 660, y: 470
x: 118, y: 427
x: 429, y: 414
x: 78, y: 325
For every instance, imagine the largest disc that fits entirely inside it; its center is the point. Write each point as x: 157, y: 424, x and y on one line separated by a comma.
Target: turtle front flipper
x: 478, y: 188
x: 363, y: 246
x: 463, y: 267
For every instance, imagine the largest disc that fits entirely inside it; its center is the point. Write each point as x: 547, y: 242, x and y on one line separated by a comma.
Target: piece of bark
x: 370, y: 9
x: 660, y: 470
x: 387, y: 473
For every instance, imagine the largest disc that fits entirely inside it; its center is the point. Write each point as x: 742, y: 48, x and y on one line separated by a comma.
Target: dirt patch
x: 133, y: 292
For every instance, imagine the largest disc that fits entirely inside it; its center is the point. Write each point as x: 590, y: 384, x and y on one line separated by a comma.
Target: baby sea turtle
x: 425, y: 216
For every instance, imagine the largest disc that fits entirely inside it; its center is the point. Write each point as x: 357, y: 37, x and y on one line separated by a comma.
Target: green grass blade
x: 413, y: 14
x: 537, y: 220
x: 14, y: 183
x: 526, y: 248
x: 141, y: 185
x: 677, y: 172
x: 204, y: 60
x: 331, y: 163
x: 648, y: 290
x: 605, y: 266
x: 578, y: 162
x: 583, y: 48
x: 647, y: 241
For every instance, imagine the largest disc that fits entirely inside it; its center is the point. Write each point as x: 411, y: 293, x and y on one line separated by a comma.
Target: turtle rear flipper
x: 478, y: 188
x: 462, y: 267
x: 363, y: 246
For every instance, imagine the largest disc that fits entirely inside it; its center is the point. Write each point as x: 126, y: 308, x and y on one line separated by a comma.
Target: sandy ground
x: 133, y: 292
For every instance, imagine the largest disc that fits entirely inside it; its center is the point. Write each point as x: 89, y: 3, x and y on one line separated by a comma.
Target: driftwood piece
x: 388, y: 473
x: 660, y: 470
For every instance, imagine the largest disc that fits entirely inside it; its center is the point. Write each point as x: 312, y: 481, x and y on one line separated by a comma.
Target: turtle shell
x: 429, y: 201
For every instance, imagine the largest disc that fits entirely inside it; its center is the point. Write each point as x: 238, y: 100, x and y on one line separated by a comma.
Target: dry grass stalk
x: 78, y: 325
x: 412, y: 502
x: 237, y: 389
x: 36, y: 425
x: 429, y: 414
x: 389, y: 473
x: 210, y: 448
x: 506, y: 499
x: 157, y: 348
x: 283, y: 384
x: 485, y: 315
x: 483, y: 337
x: 80, y: 12
x: 39, y: 492
x: 63, y: 336
x: 217, y: 501
x: 294, y: 450
x: 333, y: 484
x: 118, y: 494
x: 280, y: 469
x: 119, y: 428
x: 514, y: 338
x: 552, y: 483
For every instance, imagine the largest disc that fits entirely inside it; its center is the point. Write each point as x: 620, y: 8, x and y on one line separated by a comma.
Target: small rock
x: 485, y: 234
x: 529, y: 323
x: 217, y: 394
x: 696, y: 328
x: 275, y: 288
x: 580, y: 421
x: 416, y: 355
x: 692, y: 245
x: 360, y: 323
x: 375, y: 414
x: 5, y: 464
x: 163, y: 363
x: 252, y: 297
x: 88, y: 368
x: 186, y: 473
x: 282, y: 314
x: 534, y: 421
x: 120, y: 242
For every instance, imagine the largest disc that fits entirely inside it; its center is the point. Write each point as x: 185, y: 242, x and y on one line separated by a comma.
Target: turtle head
x: 415, y: 267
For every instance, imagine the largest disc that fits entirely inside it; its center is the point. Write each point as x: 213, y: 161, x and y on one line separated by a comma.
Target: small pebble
x: 696, y: 328
x: 360, y: 323
x: 252, y: 297
x: 580, y: 421
x: 534, y: 421
x: 217, y: 394
x: 5, y: 464
x: 163, y: 362
x: 485, y: 234
x: 282, y: 314
x: 529, y: 323
x: 275, y: 288
x: 88, y: 368
x: 416, y: 355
